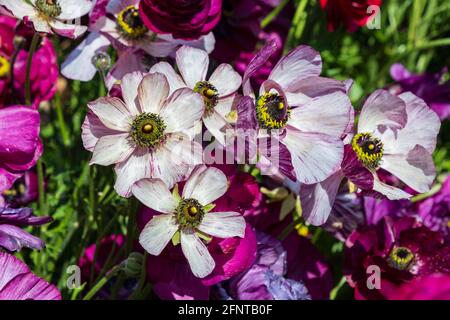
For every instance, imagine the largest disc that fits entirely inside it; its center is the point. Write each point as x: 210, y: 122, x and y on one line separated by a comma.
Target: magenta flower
x: 17, y: 282
x: 12, y: 237
x: 403, y: 249
x: 183, y: 19
x: 24, y: 191
x: 427, y: 86
x: 435, y: 286
x: 18, y: 155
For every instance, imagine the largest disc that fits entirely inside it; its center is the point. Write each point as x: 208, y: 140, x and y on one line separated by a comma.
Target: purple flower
x: 17, y: 282
x: 431, y: 287
x: 427, y: 86
x: 12, y: 237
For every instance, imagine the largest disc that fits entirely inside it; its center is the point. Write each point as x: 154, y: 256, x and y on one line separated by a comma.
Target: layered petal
x: 129, y: 85
x: 112, y: 149
x: 112, y: 112
x: 152, y: 92
x: 174, y: 79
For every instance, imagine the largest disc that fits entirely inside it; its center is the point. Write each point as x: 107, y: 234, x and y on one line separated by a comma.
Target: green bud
x: 133, y: 265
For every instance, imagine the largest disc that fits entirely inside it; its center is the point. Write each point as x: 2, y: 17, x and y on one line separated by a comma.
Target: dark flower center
x: 147, y: 130
x: 400, y: 258
x: 130, y: 23
x: 368, y: 149
x: 5, y: 67
x: 209, y: 94
x: 190, y: 213
x: 272, y: 111
x: 50, y: 8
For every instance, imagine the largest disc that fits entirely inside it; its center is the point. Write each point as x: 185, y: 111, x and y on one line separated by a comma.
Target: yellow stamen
x: 5, y: 67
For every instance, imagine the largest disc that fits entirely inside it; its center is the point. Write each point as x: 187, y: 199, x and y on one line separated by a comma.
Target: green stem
x: 62, y: 123
x: 132, y: 208
x: 102, y: 282
x: 41, y: 187
x: 273, y: 14
x: 33, y: 47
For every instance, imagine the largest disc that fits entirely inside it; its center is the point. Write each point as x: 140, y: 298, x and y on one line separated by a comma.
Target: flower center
x: 272, y: 111
x: 368, y: 149
x: 147, y: 130
x: 209, y: 94
x: 400, y: 258
x: 130, y: 23
x: 50, y: 8
x: 189, y: 213
x: 5, y: 67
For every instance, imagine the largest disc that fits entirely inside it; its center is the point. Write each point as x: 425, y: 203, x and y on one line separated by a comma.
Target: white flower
x: 50, y: 16
x: 189, y: 215
x: 144, y: 135
x: 218, y: 92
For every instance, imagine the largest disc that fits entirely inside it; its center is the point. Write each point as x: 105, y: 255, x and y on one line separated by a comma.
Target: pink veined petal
x: 392, y: 193
x: 112, y: 113
x: 223, y: 224
x: 318, y: 199
x: 71, y: 31
x: 205, y: 184
x: 157, y: 233
x: 29, y: 287
x: 136, y: 167
x: 331, y: 111
x: 10, y: 267
x: 39, y: 24
x: 193, y: 64
x: 225, y: 79
x: 416, y: 169
x: 93, y: 129
x: 129, y: 61
x: 78, y: 65
x: 314, y: 87
x: 72, y: 9
x: 382, y: 109
x: 175, y: 159
x: 130, y: 84
x: 315, y: 156
x: 19, y: 9
x: 14, y: 238
x: 112, y: 149
x: 218, y: 126
x: 182, y: 110
x: 301, y: 63
x: 174, y: 79
x: 155, y: 194
x: 152, y: 92
x: 198, y: 256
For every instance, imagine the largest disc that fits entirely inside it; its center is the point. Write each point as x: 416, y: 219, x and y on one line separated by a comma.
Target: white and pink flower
x: 187, y: 219
x: 145, y: 135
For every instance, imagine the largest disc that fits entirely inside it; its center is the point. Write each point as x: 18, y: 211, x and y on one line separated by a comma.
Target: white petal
x: 116, y: 6
x: 19, y: 9
x: 173, y: 160
x: 416, y: 169
x: 382, y: 109
x: 223, y: 224
x: 329, y: 114
x: 301, y: 63
x: 155, y: 194
x: 40, y: 25
x: 112, y: 149
x: 135, y: 168
x: 129, y: 85
x: 390, y: 192
x: 157, y: 233
x: 198, y: 256
x: 315, y: 156
x: 129, y: 61
x: 182, y: 111
x: 72, y: 9
x: 71, y: 31
x: 206, y: 185
x: 112, y: 113
x: 225, y: 79
x: 152, y: 92
x: 218, y: 126
x: 93, y: 129
x: 78, y: 65
x: 174, y: 79
x: 193, y: 65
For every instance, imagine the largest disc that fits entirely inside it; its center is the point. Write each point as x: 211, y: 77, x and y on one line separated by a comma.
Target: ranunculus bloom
x: 403, y: 249
x: 12, y: 237
x: 18, y: 155
x: 24, y: 191
x: 146, y: 135
x: 183, y: 19
x: 17, y: 282
x: 435, y: 286
x: 427, y: 86
x: 351, y: 13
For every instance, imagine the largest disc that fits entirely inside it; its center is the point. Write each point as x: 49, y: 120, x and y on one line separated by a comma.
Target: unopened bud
x: 101, y: 61
x: 133, y: 265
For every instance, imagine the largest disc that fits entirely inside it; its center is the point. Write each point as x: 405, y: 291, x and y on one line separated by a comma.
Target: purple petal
x: 355, y: 171
x: 14, y: 238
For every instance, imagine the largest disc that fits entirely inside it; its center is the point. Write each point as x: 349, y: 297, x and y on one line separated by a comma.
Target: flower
x: 146, y: 134
x: 50, y: 16
x: 18, y: 155
x: 218, y: 92
x: 395, y: 133
x: 403, y: 249
x: 291, y: 102
x: 24, y: 191
x: 12, y: 237
x: 351, y: 13
x: 435, y: 286
x: 19, y: 283
x: 188, y: 218
x: 183, y: 19
x: 429, y: 87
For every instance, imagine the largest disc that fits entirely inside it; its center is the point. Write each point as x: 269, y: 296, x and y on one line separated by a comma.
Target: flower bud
x: 101, y: 61
x: 133, y: 265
